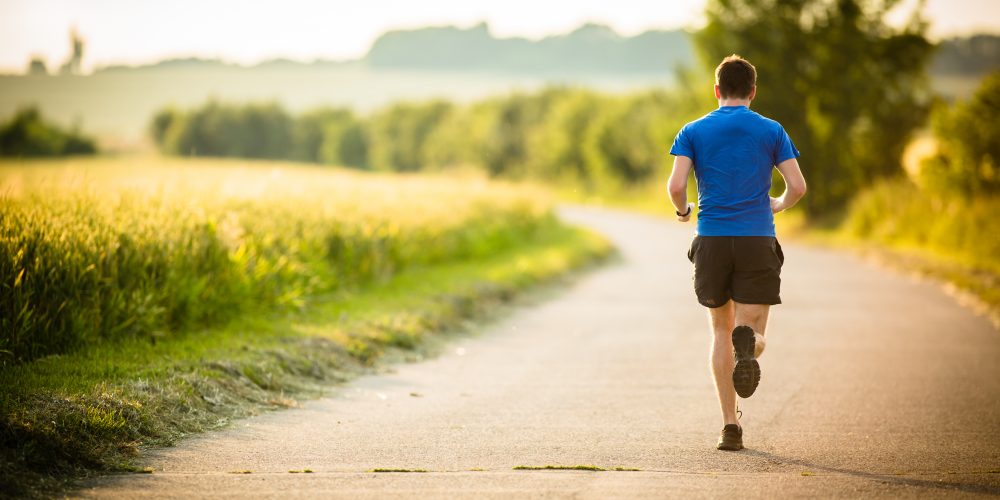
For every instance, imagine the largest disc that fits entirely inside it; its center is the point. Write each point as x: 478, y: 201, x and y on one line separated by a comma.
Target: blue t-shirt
x: 734, y: 150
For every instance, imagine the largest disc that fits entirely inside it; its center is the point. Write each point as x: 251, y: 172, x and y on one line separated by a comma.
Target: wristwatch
x: 685, y: 214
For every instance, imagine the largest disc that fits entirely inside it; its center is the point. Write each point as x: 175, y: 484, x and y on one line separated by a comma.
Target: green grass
x: 115, y: 248
x: 144, y: 299
x: 396, y: 470
x: 559, y: 467
x: 91, y: 410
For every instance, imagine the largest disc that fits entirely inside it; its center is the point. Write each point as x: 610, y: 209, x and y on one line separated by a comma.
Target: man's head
x: 735, y: 78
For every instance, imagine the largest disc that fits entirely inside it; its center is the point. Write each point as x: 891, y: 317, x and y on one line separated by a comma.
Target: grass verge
x: 952, y: 239
x: 72, y: 415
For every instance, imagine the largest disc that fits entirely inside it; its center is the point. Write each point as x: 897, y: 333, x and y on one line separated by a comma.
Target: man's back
x: 734, y: 150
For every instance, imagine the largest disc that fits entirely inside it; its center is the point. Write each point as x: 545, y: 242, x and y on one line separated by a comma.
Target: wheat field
x: 93, y: 250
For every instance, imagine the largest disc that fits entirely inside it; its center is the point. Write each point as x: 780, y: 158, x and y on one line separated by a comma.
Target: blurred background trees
x: 569, y: 137
x: 967, y: 161
x: 28, y: 134
x: 246, y: 131
x: 849, y: 89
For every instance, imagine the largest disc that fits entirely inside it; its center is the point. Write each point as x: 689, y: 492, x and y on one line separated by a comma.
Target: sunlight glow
x: 128, y: 32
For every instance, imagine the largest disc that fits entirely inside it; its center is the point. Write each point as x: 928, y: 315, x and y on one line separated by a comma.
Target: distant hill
x: 195, y: 63
x: 973, y: 55
x: 597, y: 49
x: 592, y: 48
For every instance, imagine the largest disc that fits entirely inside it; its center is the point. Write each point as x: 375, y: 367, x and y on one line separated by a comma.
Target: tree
x: 37, y: 67
x: 309, y: 133
x: 968, y: 135
x: 565, y: 148
x: 848, y: 88
x: 215, y: 129
x: 398, y: 134
x: 29, y: 134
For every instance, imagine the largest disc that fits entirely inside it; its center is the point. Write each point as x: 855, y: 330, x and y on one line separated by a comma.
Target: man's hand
x: 690, y: 210
x: 776, y: 205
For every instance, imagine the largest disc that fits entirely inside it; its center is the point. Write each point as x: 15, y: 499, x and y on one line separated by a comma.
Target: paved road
x: 873, y: 385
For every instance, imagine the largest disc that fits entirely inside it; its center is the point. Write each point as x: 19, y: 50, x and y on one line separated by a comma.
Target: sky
x: 248, y: 31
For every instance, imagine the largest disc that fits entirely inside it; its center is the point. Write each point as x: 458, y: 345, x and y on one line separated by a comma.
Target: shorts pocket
x: 778, y: 252
x: 692, y: 250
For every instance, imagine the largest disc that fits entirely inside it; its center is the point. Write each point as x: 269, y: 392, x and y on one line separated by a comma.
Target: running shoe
x: 731, y: 438
x: 746, y: 374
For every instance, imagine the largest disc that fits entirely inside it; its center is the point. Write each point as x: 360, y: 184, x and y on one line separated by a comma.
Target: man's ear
x: 753, y: 93
x: 718, y: 95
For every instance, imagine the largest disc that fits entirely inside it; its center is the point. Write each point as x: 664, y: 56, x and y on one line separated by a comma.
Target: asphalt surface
x: 873, y: 385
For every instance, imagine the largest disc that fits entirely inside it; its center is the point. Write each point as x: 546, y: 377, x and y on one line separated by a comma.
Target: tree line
x: 28, y: 133
x: 558, y: 134
x: 849, y: 89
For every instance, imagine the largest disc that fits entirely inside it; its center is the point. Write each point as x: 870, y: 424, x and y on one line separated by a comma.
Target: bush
x: 250, y: 131
x: 398, y: 135
x: 584, y: 138
x: 28, y: 134
x: 332, y: 136
x: 898, y: 213
x: 968, y: 136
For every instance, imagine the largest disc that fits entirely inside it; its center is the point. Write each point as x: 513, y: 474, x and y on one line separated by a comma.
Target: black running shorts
x: 746, y: 269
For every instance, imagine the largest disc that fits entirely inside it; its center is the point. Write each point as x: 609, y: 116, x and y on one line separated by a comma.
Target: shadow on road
x: 886, y: 478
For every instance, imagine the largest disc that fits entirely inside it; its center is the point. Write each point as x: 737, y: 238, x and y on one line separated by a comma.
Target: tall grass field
x: 99, y: 250
x: 143, y: 299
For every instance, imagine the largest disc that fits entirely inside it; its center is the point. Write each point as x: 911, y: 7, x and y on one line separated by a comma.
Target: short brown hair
x: 736, y: 77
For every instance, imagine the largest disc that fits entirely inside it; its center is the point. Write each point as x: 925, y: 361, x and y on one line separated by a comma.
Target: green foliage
x: 90, y: 410
x: 848, y: 88
x: 565, y: 145
x: 511, y: 122
x: 330, y: 136
x: 955, y: 229
x: 250, y: 131
x: 572, y: 136
x: 638, y: 132
x: 399, y: 134
x: 145, y: 252
x: 968, y: 137
x: 28, y: 134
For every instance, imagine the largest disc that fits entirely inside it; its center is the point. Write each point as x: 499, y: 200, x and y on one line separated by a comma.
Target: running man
x: 737, y: 259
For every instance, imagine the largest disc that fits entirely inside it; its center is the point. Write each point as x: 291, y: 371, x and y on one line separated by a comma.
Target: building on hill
x: 37, y: 67
x: 73, y: 65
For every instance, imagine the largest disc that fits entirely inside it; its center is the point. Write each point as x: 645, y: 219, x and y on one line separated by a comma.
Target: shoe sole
x: 733, y: 447
x: 746, y: 374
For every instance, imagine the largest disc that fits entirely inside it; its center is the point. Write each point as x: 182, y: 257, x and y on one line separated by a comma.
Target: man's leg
x: 754, y: 316
x: 721, y: 360
x: 748, y: 343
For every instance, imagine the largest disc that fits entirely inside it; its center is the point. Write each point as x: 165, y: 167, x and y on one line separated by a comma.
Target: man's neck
x: 734, y: 102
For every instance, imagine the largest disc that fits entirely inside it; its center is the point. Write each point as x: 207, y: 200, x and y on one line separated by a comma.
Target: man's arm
x: 795, y: 186
x: 677, y: 186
